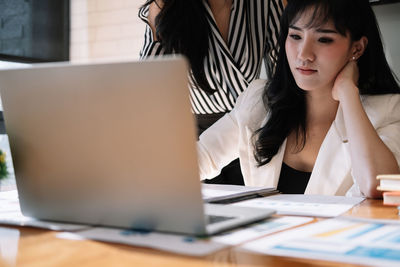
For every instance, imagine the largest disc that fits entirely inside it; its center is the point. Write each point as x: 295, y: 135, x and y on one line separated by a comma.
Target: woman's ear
x: 359, y: 47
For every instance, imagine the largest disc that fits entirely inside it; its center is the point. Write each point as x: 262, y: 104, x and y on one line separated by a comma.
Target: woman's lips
x: 306, y: 71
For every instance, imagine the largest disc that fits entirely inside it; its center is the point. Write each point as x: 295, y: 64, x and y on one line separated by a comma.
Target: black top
x: 292, y: 181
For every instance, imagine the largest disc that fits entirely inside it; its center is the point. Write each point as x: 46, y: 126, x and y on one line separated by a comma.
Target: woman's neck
x: 218, y: 5
x: 321, y: 107
x: 221, y: 10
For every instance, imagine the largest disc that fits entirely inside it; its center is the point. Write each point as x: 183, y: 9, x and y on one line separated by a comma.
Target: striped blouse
x: 231, y: 66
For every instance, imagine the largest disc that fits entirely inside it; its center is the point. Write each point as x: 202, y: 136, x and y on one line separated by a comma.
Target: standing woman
x: 226, y: 43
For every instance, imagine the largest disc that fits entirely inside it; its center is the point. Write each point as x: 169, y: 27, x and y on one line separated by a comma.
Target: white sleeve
x: 389, y: 132
x: 220, y: 144
x: 217, y: 146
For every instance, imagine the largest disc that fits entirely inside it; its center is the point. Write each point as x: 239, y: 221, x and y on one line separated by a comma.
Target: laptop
x: 110, y: 144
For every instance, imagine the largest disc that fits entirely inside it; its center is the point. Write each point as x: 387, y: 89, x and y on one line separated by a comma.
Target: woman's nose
x: 306, y: 51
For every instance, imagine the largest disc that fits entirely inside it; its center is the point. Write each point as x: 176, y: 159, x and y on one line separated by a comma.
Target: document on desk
x: 10, y: 213
x: 304, y: 205
x: 188, y: 245
x: 366, y: 241
x: 221, y: 193
x: 9, y: 246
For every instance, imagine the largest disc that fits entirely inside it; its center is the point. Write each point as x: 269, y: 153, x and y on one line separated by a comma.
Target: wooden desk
x: 41, y: 248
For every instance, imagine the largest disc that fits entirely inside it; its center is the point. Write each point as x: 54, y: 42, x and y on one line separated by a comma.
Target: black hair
x: 182, y: 27
x: 286, y: 101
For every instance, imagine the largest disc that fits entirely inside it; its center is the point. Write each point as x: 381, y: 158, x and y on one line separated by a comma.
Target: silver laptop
x: 110, y: 144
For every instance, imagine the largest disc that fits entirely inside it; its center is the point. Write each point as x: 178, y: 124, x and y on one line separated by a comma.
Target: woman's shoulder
x: 381, y: 102
x: 143, y: 13
x: 249, y: 109
x: 148, y: 12
x: 382, y: 108
x: 252, y: 94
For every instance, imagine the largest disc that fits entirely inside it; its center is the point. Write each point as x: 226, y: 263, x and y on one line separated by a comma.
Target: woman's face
x: 316, y: 55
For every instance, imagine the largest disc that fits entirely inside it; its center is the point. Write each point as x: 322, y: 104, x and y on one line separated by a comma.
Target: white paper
x: 9, y: 245
x: 257, y: 230
x: 369, y: 242
x: 304, y: 205
x: 189, y: 245
x: 10, y: 213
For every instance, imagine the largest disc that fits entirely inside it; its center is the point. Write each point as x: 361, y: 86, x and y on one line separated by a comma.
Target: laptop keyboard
x: 215, y: 219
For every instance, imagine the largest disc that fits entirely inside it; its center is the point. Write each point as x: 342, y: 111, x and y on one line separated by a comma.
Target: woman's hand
x: 346, y: 82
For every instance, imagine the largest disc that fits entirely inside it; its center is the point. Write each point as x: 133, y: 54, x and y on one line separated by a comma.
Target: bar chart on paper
x: 370, y: 242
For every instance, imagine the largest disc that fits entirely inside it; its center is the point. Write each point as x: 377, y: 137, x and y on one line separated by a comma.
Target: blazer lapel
x: 332, y: 170
x: 268, y: 174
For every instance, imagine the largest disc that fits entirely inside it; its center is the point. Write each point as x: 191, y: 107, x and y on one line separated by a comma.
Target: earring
x: 354, y: 58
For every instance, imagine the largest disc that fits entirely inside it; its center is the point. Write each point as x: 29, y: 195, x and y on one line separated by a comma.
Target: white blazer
x: 231, y: 137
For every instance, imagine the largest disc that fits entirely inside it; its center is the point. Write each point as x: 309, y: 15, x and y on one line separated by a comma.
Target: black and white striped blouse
x: 230, y: 67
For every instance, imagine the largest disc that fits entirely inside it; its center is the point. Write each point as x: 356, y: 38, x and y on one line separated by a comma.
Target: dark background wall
x: 34, y: 30
x: 388, y: 16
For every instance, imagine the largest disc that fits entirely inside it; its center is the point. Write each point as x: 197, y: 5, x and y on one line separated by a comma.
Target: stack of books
x: 390, y: 184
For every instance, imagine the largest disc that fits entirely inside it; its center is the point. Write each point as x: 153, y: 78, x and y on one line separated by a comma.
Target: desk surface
x: 42, y: 248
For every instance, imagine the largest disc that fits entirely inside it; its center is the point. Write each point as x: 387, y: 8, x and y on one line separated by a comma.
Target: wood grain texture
x: 42, y: 248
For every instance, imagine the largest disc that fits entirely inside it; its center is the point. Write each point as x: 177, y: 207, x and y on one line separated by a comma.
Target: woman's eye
x: 325, y: 40
x: 294, y: 36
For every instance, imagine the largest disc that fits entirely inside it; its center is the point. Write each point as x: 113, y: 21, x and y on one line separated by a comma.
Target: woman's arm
x: 218, y: 146
x: 224, y: 140
x: 369, y: 155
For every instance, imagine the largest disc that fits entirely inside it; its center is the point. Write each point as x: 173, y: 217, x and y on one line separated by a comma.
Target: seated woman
x: 329, y: 119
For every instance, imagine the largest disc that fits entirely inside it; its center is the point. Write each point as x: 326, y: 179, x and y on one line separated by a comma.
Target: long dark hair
x: 182, y: 27
x: 286, y: 101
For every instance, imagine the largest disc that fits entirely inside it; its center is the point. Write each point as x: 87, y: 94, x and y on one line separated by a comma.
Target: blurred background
x: 34, y: 31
